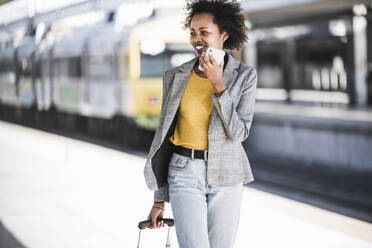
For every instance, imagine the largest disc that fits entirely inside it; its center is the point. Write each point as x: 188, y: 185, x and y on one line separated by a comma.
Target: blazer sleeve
x: 237, y: 121
x: 162, y: 193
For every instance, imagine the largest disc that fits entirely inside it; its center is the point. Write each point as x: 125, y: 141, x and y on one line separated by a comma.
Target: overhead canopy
x: 4, y: 1
x: 275, y: 13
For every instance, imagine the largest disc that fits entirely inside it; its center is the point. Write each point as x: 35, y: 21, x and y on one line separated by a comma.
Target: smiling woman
x: 196, y: 160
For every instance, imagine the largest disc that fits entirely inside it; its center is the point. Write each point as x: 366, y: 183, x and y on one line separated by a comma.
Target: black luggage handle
x: 147, y: 223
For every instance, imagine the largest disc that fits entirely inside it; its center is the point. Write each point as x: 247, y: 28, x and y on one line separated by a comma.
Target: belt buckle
x: 192, y: 154
x: 206, y: 155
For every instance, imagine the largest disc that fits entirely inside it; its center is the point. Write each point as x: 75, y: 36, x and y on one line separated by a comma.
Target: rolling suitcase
x: 143, y: 224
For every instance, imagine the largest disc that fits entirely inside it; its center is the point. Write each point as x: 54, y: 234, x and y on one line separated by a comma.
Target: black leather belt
x: 192, y: 153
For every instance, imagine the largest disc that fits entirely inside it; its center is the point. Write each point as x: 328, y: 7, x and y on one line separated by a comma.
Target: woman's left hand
x: 213, y: 71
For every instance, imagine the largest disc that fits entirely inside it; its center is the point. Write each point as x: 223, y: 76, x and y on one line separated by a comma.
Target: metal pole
x: 360, y: 57
x: 139, y: 239
x: 168, y: 239
x: 369, y: 53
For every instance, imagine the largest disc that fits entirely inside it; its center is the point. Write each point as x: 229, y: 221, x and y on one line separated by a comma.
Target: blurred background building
x: 95, y: 67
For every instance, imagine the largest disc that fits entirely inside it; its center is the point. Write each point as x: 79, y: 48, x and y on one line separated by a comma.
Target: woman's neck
x: 199, y: 72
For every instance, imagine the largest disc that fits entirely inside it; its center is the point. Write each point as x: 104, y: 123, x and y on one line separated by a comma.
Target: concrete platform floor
x: 56, y: 192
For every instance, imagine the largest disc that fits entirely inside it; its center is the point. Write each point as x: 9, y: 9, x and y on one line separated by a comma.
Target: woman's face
x: 204, y: 33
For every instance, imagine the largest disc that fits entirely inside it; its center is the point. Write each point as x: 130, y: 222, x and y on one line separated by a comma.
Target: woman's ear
x: 225, y: 36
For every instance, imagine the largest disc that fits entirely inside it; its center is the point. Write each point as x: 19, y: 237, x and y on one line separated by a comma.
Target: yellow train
x: 154, y: 47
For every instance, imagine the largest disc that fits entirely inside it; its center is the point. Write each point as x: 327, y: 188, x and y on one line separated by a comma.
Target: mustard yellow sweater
x: 196, y: 105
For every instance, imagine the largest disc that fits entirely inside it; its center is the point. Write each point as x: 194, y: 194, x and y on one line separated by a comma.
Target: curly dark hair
x: 228, y: 15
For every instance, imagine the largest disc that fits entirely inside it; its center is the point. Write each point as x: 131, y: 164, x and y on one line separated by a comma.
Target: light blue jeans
x: 205, y: 216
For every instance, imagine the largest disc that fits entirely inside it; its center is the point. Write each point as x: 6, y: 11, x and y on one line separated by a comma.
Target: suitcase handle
x: 148, y: 223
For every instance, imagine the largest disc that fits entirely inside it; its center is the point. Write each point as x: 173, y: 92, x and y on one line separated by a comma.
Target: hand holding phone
x: 217, y: 54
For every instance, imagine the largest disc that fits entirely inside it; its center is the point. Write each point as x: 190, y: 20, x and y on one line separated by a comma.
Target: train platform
x: 57, y: 192
x: 358, y: 115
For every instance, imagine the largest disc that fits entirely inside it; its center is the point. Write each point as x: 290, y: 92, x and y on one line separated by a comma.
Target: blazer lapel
x: 228, y: 77
x: 175, y: 95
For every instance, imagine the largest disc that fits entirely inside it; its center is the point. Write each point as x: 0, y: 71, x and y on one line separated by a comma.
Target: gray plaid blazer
x: 229, y: 126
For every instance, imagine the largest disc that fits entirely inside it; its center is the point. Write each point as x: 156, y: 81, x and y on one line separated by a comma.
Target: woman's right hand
x: 156, y: 212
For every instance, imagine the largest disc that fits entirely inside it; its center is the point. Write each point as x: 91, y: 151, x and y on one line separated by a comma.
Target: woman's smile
x: 200, y: 49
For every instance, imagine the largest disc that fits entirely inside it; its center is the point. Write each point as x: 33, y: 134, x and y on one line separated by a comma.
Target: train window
x: 7, y: 71
x: 315, y: 56
x: 44, y: 70
x: 171, y: 56
x: 74, y: 66
x: 67, y: 67
x: 320, y: 64
x: 100, y: 67
x: 24, y: 65
x: 7, y: 77
x: 269, y: 65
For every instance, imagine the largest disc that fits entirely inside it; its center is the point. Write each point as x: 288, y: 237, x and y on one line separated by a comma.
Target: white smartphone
x: 217, y: 54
